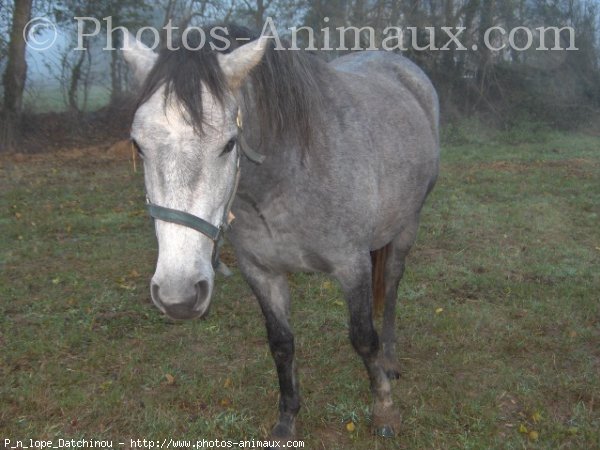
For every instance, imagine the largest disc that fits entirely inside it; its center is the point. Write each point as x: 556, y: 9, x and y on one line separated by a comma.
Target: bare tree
x: 257, y: 9
x: 15, y: 76
x: 5, y: 22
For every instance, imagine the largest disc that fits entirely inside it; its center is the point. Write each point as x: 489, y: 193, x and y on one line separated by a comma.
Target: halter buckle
x: 238, y: 119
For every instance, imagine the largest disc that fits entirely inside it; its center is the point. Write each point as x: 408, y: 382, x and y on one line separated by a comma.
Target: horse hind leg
x: 356, y: 283
x: 388, y: 269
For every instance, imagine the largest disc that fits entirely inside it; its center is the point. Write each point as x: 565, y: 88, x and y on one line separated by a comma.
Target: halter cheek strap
x: 214, y: 233
x: 248, y: 151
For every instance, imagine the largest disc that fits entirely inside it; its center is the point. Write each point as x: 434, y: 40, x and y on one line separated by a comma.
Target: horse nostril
x: 202, y: 290
x: 154, y: 289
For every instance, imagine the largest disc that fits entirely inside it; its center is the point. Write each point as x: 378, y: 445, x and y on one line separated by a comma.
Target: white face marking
x: 186, y: 170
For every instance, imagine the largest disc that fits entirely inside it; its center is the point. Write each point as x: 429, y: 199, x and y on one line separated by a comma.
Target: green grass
x: 499, y: 319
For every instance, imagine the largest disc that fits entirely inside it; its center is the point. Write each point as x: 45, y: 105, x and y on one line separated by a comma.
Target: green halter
x: 214, y: 233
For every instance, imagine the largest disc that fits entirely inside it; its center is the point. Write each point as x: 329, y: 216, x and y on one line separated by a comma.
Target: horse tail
x: 378, y: 260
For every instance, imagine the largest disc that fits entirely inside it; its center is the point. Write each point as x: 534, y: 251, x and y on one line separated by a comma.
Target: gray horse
x: 349, y: 153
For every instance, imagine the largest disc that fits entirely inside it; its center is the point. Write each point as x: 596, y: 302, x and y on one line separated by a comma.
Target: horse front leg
x: 272, y: 292
x: 356, y: 280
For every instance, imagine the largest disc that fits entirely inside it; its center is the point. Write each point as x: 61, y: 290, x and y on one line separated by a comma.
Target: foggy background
x: 58, y: 97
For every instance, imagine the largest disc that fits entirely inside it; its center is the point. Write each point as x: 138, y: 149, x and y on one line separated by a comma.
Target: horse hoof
x: 385, y: 431
x: 386, y: 421
x: 282, y: 431
x: 280, y: 434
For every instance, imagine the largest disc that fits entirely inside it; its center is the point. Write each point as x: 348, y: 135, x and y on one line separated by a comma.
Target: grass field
x: 499, y: 319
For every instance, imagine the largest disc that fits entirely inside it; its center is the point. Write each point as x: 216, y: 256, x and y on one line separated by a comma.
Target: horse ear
x: 138, y: 56
x: 238, y: 64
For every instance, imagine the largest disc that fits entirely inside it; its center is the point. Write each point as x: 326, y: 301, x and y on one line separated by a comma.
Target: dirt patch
x: 117, y: 151
x: 573, y: 166
x: 428, y: 254
x: 329, y: 438
x: 43, y: 133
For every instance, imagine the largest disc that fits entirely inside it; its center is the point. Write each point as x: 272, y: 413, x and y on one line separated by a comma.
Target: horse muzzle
x: 181, y: 304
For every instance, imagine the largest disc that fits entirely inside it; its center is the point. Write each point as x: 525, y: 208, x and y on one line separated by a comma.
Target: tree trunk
x: 14, y: 77
x: 486, y: 22
x: 76, y: 73
x: 116, y: 80
x: 259, y: 14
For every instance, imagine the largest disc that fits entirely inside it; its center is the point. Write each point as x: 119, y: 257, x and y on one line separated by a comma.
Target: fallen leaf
x: 533, y: 435
x: 228, y: 383
x: 439, y: 310
x: 536, y: 417
x: 170, y: 379
x: 523, y: 429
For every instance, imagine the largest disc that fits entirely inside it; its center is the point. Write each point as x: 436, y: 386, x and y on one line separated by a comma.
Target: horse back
x: 398, y: 69
x: 394, y: 109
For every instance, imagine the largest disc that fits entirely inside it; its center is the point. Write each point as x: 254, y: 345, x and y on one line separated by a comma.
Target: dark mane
x: 286, y: 87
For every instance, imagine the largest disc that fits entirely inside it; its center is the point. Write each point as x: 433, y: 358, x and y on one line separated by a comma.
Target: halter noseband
x: 214, y: 233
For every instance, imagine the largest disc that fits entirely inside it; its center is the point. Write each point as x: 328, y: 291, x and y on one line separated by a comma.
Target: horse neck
x: 299, y: 101
x: 263, y: 140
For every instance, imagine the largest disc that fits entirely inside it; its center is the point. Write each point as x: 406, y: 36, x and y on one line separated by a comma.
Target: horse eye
x: 229, y: 146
